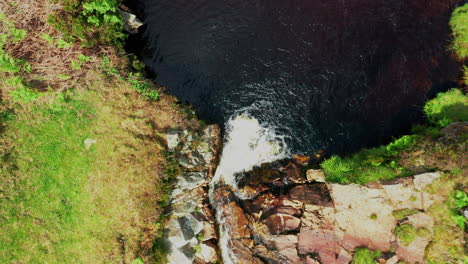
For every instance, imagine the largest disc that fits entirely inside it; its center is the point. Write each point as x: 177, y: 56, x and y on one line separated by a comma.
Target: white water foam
x: 247, y: 144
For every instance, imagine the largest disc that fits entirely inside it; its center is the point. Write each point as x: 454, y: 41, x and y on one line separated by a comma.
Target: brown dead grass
x: 47, y: 61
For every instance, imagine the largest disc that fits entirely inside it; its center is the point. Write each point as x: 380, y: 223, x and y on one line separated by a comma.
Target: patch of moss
x: 406, y: 233
x: 365, y: 256
x: 402, y: 213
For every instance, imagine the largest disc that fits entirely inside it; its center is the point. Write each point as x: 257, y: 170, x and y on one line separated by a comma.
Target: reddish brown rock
x: 286, y: 247
x: 293, y: 173
x: 317, y: 194
x: 301, y: 160
x: 280, y: 223
x: 321, y: 242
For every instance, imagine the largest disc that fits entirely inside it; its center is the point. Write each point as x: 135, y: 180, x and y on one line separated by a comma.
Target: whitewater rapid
x: 247, y: 144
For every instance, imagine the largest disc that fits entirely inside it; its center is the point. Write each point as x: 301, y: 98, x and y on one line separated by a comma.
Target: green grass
x: 45, y: 209
x: 448, y: 107
x: 459, y: 25
x: 365, y: 256
x: 368, y: 164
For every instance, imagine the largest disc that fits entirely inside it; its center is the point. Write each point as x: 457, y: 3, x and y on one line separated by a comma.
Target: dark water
x: 332, y: 74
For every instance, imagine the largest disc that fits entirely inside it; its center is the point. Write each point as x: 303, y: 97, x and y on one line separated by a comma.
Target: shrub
x: 448, y: 107
x: 459, y: 25
x: 365, y: 256
x: 90, y: 21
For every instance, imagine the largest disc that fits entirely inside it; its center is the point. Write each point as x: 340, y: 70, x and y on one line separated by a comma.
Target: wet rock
x: 249, y: 192
x: 364, y: 215
x: 131, y: 22
x: 315, y: 176
x: 301, y: 160
x: 293, y: 173
x: 317, y: 194
x: 280, y: 223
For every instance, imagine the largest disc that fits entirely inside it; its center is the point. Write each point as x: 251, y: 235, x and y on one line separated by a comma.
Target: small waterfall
x: 247, y: 144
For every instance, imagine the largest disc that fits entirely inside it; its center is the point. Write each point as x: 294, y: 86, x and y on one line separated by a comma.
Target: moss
x: 402, y: 213
x: 365, y: 256
x: 406, y: 233
x: 373, y: 216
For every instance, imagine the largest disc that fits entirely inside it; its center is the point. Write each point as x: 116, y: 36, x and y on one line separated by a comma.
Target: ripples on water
x: 338, y: 74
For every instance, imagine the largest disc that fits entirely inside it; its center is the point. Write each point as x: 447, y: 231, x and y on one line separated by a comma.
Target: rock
x: 293, y: 173
x: 310, y: 260
x: 249, y: 192
x: 173, y: 140
x: 343, y: 257
x: 280, y: 223
x: 355, y: 205
x: 318, y: 217
x: 316, y: 193
x: 207, y: 253
x: 131, y: 22
x: 89, y: 142
x: 402, y: 196
x: 189, y: 181
x: 289, y: 210
x: 421, y: 220
x: 392, y: 260
x: 243, y: 253
x: 190, y: 226
x: 315, y: 175
x: 422, y: 180
x: 286, y: 248
x: 414, y: 252
x: 319, y: 241
x: 301, y: 160
x: 454, y: 131
x: 208, y: 232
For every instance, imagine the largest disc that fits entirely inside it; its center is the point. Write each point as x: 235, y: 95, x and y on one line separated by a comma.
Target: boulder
x: 280, y: 223
x: 422, y: 180
x: 319, y: 241
x: 316, y: 194
x: 364, y: 215
x: 315, y: 176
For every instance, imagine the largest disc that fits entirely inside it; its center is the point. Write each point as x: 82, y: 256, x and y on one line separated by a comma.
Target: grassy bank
x: 82, y: 174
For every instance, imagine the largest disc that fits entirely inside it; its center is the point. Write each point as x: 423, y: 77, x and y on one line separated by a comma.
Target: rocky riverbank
x: 284, y: 212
